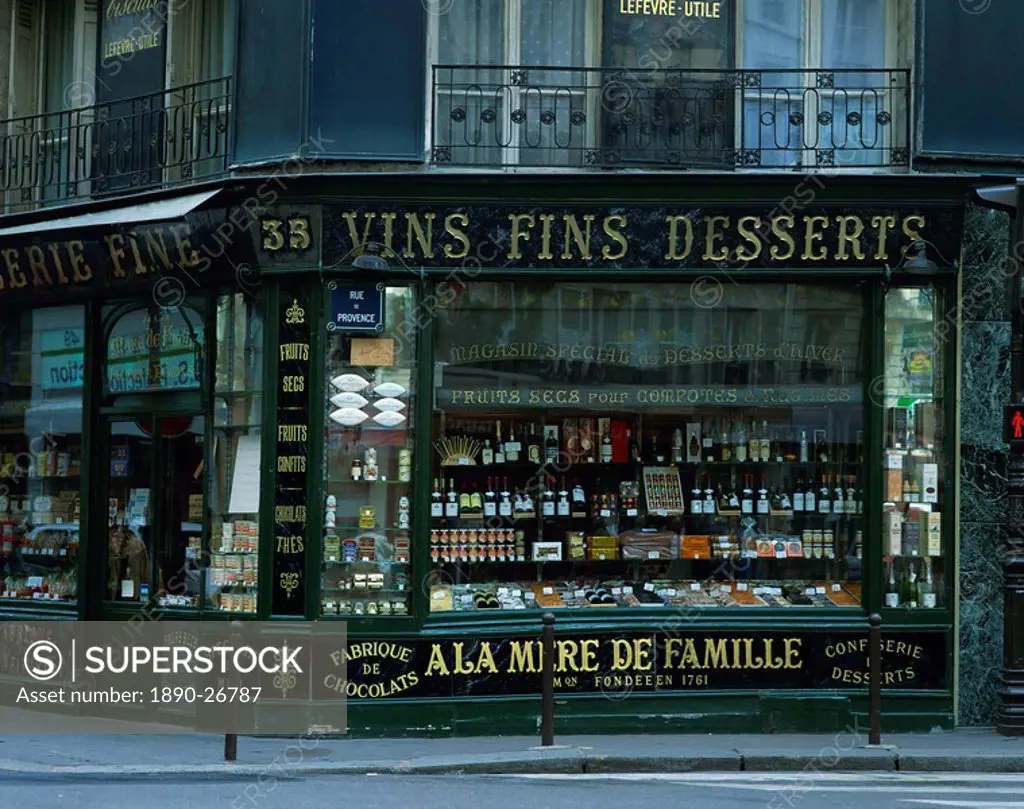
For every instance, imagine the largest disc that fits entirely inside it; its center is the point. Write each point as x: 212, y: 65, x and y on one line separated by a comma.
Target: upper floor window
x: 747, y: 83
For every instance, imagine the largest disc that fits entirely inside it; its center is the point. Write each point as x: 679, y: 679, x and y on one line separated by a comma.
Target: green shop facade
x: 708, y: 423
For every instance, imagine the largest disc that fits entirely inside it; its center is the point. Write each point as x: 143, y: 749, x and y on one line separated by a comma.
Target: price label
x: 653, y: 555
x: 819, y: 591
x: 549, y: 591
x: 649, y: 587
x: 579, y: 593
x: 530, y: 596
x: 837, y: 588
x: 606, y: 512
x: 780, y: 554
x: 631, y: 512
x: 616, y: 591
x: 695, y: 586
x: 366, y: 558
x: 741, y: 586
x: 437, y: 595
x: 627, y: 591
x: 661, y: 512
x: 502, y: 591
x: 894, y: 460
x: 514, y: 446
x: 463, y: 462
x: 671, y: 591
x: 810, y: 591
x: 331, y: 559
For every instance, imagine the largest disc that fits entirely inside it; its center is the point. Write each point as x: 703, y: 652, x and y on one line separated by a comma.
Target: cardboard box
x: 932, y: 529
x: 893, y: 486
x: 547, y: 551
x: 930, y: 483
x: 926, y: 424
x: 893, y: 533
x: 620, y: 441
x: 896, y: 428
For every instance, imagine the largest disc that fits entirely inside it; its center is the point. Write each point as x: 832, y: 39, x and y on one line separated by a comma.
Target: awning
x: 162, y: 210
x: 1003, y: 197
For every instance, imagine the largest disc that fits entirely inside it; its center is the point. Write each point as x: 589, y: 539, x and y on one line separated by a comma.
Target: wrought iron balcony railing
x: 173, y: 136
x: 665, y: 119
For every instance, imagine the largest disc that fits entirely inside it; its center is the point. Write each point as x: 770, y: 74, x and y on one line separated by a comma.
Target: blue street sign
x: 356, y: 307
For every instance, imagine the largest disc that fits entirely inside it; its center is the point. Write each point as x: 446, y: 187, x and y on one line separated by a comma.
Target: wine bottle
x: 533, y: 451
x: 551, y: 445
x: 809, y: 497
x: 436, y: 501
x: 839, y: 502
x: 766, y: 442
x: 563, y: 501
x: 754, y: 450
x: 740, y: 445
x: 677, y: 446
x: 511, y: 446
x: 709, y: 498
x: 505, y: 504
x: 548, y: 502
x: 892, y: 593
x: 928, y: 597
x: 798, y: 496
x: 803, y: 446
x: 747, y: 503
x: 490, y: 500
x: 634, y: 448
x: 487, y: 453
x: 851, y: 494
x: 708, y: 442
x: 763, y: 506
x: 824, y: 497
x: 724, y: 449
x: 451, y: 508
x: 499, y: 445
x: 606, y: 447
x: 476, y: 501
x: 579, y: 500
x: 696, y: 500
x: 465, y: 503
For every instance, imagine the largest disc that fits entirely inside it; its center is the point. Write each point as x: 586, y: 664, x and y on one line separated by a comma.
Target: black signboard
x: 130, y: 132
x: 791, y: 235
x: 290, y: 465
x: 356, y: 307
x: 667, y: 660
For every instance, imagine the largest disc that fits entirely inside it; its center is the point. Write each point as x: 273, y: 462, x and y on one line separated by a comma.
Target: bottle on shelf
x: 695, y: 447
x: 798, y: 496
x: 356, y: 470
x: 563, y: 501
x: 747, y: 503
x: 839, y: 501
x: 451, y: 507
x: 810, y: 499
x: 754, y: 449
x: 851, y: 494
x: 708, y: 442
x: 511, y: 446
x: 696, y: 499
x: 490, y: 500
x: 551, y: 444
x: 763, y: 504
x: 499, y: 445
x: 724, y: 449
x: 677, y: 446
x: 909, y: 598
x: 803, y: 446
x: 821, y: 446
x: 476, y: 501
x: 487, y: 453
x: 766, y: 441
x: 548, y: 502
x: 740, y: 444
x: 634, y: 447
x: 505, y: 504
x: 465, y: 503
x: 892, y: 592
x: 606, y: 447
x: 709, y: 498
x: 927, y: 596
x: 533, y: 452
x: 824, y: 497
x: 579, y: 500
x: 436, y: 501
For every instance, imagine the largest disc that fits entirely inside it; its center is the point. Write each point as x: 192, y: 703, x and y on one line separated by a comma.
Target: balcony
x: 726, y: 120
x: 175, y: 136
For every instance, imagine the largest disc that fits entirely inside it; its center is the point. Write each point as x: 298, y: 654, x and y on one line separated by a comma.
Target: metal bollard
x: 875, y: 658
x: 231, y: 739
x: 547, y: 719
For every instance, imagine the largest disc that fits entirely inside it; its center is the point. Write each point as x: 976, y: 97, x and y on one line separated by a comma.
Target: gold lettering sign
x: 819, y: 239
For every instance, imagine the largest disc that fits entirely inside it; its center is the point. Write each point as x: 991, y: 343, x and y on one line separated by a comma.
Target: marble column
x: 984, y: 389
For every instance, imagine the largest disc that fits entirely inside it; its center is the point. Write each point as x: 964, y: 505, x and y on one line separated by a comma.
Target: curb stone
x: 951, y: 762
x: 865, y: 760
x: 659, y: 763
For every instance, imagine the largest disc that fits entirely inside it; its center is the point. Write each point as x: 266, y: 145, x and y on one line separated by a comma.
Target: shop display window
x: 627, y: 445
x: 232, y: 581
x: 914, y: 489
x: 368, y: 463
x: 42, y: 362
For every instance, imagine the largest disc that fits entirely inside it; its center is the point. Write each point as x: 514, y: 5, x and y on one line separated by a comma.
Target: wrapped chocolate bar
x: 647, y: 544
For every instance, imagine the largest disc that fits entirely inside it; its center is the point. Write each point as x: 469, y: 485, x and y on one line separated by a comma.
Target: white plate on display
x: 349, y: 416
x: 348, y: 399
x: 389, y: 418
x: 389, y: 404
x: 350, y: 383
x: 389, y: 389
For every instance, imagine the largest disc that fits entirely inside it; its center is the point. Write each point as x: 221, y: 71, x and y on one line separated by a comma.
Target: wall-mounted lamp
x: 914, y: 262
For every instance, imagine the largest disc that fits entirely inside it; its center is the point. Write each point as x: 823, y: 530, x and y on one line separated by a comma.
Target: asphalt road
x: 697, y: 791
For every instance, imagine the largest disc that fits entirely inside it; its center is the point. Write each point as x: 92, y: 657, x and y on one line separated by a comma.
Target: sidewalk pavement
x: 201, y: 756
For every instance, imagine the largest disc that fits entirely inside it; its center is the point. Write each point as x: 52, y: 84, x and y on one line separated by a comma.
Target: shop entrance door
x: 152, y: 506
